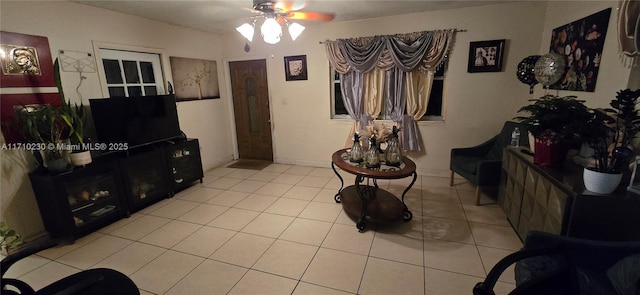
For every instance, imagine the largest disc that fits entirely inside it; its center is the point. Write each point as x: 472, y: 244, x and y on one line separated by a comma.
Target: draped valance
x: 408, y: 52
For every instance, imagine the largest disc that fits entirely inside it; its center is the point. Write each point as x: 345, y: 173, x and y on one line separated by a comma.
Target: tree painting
x: 195, y: 79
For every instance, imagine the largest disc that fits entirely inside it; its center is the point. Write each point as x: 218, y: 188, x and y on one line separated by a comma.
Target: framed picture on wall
x: 27, y: 61
x: 295, y: 67
x: 195, y: 79
x: 485, y: 56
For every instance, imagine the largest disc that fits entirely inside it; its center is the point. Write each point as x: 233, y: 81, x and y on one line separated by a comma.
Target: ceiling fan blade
x: 312, y: 16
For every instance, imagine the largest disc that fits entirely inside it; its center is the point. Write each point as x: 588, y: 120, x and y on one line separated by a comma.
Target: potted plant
x: 75, y: 118
x: 8, y: 238
x: 555, y: 123
x: 43, y: 126
x: 610, y: 134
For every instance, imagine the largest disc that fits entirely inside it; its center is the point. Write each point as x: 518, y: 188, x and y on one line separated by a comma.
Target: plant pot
x: 80, y: 158
x: 599, y: 182
x: 549, y: 153
x: 56, y: 165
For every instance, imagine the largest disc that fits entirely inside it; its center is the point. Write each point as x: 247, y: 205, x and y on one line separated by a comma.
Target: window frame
x: 161, y: 81
x: 441, y: 74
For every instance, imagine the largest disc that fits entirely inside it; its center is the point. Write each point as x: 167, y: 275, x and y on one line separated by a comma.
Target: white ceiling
x: 223, y: 16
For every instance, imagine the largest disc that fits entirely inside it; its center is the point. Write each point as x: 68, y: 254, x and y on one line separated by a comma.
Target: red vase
x: 550, y: 153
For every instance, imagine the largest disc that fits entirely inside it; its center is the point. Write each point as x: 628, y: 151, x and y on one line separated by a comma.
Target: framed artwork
x: 26, y: 61
x: 581, y: 42
x: 485, y: 56
x: 194, y: 79
x: 295, y: 67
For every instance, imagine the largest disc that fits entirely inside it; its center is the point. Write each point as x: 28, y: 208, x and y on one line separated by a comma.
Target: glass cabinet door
x: 92, y: 197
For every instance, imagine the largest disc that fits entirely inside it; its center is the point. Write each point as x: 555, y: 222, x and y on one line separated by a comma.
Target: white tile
x: 234, y: 219
x: 336, y: 269
x: 256, y: 202
x: 447, y: 229
x: 243, y: 249
x: 278, y: 168
x: 390, y: 277
x: 203, y: 214
x: 443, y: 209
x: 174, y: 209
x: 265, y: 176
x: 491, y: 256
x: 228, y: 198
x: 223, y: 183
x: 248, y: 186
x: 311, y: 289
x: 200, y: 194
x: 321, y: 211
x: 314, y: 181
x: 25, y: 265
x: 453, y: 256
x: 299, y: 170
x: 269, y: 225
x: 205, y: 241
x: 274, y: 189
x: 306, y: 231
x: 302, y: 193
x: 140, y: 227
x: 285, y: 206
x: 441, y: 282
x: 94, y: 251
x: 170, y: 234
x: 286, y: 259
x: 255, y: 282
x: 166, y: 270
x: 396, y: 247
x: 131, y: 258
x: 347, y: 238
x: 210, y: 277
x: 502, y: 237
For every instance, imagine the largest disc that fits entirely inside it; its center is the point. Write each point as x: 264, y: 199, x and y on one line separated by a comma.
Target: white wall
x: 71, y: 26
x: 477, y: 104
x: 613, y: 75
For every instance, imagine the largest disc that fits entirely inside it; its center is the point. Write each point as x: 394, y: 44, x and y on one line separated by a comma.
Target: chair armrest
x: 475, y: 151
x: 486, y: 287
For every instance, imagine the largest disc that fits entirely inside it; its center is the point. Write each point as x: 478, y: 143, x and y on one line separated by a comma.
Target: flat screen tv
x: 137, y: 121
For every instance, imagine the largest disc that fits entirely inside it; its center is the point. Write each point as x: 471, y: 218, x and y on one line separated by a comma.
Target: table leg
x: 365, y: 193
x: 407, y: 214
x: 337, y: 195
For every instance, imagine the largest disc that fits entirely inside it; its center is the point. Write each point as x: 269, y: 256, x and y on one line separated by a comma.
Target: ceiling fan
x: 273, y: 14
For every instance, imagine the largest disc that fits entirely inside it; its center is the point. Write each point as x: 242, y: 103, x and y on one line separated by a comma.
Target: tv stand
x: 77, y: 202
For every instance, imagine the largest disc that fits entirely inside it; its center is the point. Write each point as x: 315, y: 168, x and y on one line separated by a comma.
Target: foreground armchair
x: 559, y: 265
x: 481, y: 164
x: 100, y: 281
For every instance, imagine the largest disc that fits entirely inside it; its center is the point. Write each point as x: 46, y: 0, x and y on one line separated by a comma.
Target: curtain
x: 373, y: 92
x: 409, y: 61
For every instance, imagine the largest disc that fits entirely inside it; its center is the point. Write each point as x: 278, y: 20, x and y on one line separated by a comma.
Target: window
x: 434, y: 108
x: 129, y: 73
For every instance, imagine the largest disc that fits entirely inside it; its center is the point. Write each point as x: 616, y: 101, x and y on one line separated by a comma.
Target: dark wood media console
x: 77, y: 202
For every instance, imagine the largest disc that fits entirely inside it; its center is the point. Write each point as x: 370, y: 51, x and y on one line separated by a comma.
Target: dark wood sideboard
x: 554, y: 200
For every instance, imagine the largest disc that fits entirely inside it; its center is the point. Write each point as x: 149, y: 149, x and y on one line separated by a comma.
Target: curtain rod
x: 455, y: 31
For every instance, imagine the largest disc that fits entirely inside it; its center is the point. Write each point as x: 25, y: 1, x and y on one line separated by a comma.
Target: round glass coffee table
x: 366, y: 201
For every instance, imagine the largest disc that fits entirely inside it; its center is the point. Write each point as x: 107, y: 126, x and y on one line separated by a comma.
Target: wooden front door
x: 251, y: 109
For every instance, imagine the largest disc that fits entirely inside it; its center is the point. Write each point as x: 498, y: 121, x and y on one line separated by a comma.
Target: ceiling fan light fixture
x: 295, y: 29
x: 271, y: 30
x: 246, y: 30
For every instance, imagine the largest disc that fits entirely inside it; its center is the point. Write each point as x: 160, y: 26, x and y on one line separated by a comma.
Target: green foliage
x: 566, y: 116
x: 8, y: 236
x: 43, y: 124
x: 612, y: 143
x: 74, y: 116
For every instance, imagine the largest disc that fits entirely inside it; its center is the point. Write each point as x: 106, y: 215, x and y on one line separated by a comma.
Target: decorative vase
x: 393, y: 153
x: 372, y: 158
x: 80, y: 158
x: 550, y: 153
x: 356, y: 153
x: 599, y: 182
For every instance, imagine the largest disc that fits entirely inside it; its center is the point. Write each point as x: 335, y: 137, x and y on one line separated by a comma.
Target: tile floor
x: 279, y: 231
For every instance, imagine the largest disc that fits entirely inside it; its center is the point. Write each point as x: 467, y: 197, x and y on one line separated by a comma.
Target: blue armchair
x: 481, y: 164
